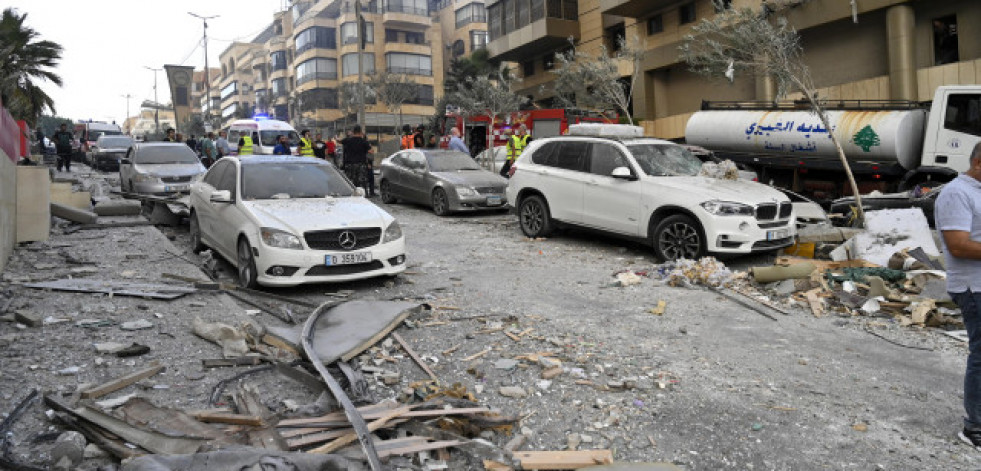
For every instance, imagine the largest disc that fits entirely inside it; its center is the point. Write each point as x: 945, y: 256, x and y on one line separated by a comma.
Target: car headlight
x: 282, y: 239
x: 728, y: 208
x: 462, y: 191
x: 145, y: 178
x: 392, y: 232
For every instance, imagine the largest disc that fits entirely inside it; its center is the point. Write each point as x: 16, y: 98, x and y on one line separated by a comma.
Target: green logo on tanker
x: 866, y: 138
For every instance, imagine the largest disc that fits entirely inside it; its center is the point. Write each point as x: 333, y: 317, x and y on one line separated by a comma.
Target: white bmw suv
x: 645, y: 189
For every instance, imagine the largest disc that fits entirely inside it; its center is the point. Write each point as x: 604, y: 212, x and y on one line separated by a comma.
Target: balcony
x: 633, y: 8
x: 405, y: 16
x: 544, y: 35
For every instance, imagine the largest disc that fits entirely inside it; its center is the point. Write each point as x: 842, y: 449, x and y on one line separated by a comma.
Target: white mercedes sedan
x: 285, y: 221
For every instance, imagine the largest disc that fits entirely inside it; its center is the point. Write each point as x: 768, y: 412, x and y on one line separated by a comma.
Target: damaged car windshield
x: 665, y: 159
x: 166, y: 154
x: 450, y: 162
x: 292, y: 180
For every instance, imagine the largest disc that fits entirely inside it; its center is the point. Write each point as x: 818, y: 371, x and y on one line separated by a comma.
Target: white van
x: 263, y: 132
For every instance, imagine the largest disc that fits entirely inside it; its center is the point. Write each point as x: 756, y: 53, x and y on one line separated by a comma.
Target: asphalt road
x: 720, y: 386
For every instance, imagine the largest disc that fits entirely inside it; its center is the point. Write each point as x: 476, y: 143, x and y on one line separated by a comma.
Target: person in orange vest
x: 408, y: 140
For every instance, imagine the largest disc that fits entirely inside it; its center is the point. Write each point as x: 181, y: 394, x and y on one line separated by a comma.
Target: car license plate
x: 779, y: 234
x: 347, y: 258
x: 177, y: 187
x: 494, y: 200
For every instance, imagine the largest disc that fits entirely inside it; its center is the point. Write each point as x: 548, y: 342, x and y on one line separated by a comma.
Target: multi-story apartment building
x: 296, y: 68
x: 463, y: 25
x: 869, y: 49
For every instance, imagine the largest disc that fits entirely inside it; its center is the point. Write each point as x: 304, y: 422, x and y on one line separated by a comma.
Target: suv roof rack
x: 616, y: 131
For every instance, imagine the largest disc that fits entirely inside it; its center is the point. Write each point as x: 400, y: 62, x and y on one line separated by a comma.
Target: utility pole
x: 361, y: 26
x: 156, y: 102
x: 126, y: 118
x: 207, y: 71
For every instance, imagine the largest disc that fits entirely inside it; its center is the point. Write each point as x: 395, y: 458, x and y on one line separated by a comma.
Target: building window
x: 614, y: 36
x: 528, y: 68
x: 281, y: 112
x: 553, y: 8
x: 424, y: 96
x: 537, y: 10
x: 548, y: 62
x: 494, y: 23
x: 349, y: 33
x: 945, y: 40
x: 229, y: 110
x: 316, y: 69
x: 349, y: 64
x: 319, y: 98
x: 407, y: 37
x: 655, y: 24
x: 523, y: 15
x: 317, y: 36
x: 686, y: 13
x: 278, y: 60
x: 229, y: 90
x: 412, y: 7
x: 279, y: 87
x: 392, y: 35
x: 472, y: 13
x: 478, y: 40
x: 458, y: 48
x: 508, y: 16
x: 411, y: 64
x: 721, y: 5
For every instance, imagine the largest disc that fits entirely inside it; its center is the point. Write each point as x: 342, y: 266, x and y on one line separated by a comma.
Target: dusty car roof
x: 260, y: 159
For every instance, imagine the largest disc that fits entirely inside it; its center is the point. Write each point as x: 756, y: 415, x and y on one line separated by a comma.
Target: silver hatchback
x: 159, y: 168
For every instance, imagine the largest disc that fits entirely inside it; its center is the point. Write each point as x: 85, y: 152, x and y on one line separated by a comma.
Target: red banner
x: 10, y: 134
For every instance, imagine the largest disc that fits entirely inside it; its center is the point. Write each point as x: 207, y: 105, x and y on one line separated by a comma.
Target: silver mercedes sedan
x: 444, y: 179
x: 159, y: 168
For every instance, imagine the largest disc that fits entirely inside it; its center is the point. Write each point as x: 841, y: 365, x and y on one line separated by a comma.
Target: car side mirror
x: 125, y: 161
x: 221, y: 196
x: 623, y: 173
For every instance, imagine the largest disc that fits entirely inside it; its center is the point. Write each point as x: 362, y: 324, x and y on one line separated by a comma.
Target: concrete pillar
x: 766, y: 88
x: 643, y: 97
x: 659, y: 90
x: 900, y: 23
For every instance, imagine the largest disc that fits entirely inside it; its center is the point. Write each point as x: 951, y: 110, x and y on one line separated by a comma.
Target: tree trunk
x: 489, y: 158
x: 841, y: 152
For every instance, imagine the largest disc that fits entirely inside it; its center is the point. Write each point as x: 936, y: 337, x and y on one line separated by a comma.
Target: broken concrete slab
x: 117, y: 208
x: 28, y: 318
x: 69, y: 213
x: 120, y: 288
x: 347, y: 329
x: 136, y: 325
x: 891, y: 230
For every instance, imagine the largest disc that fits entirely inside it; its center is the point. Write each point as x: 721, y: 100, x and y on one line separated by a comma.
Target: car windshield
x: 172, y: 154
x: 450, y: 162
x: 665, y: 159
x: 115, y: 141
x: 268, y: 138
x: 286, y: 180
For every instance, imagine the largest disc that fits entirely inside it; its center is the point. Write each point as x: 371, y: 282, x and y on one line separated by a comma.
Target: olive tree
x: 763, y: 44
x: 490, y: 97
x: 393, y: 91
x: 351, y: 95
x: 594, y: 81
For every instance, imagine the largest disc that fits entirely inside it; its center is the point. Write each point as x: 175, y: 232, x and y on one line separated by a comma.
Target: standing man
x: 171, y: 136
x: 306, y: 144
x: 209, y: 153
x: 282, y: 146
x: 222, y: 144
x: 408, y: 141
x: 958, y: 218
x: 319, y: 147
x: 192, y: 143
x: 245, y: 144
x: 332, y: 151
x: 456, y: 143
x: 419, y: 138
x: 356, y: 150
x: 63, y: 145
x: 516, y: 144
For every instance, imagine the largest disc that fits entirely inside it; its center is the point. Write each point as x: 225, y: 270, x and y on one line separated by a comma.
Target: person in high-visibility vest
x: 516, y: 143
x: 245, y: 145
x: 408, y: 140
x: 306, y: 145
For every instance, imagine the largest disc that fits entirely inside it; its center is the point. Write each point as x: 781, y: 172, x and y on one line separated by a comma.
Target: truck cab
x: 953, y: 129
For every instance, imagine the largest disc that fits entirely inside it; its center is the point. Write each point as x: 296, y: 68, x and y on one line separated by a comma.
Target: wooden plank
x: 385, y: 406
x: 121, y: 382
x: 227, y: 418
x: 240, y: 361
x: 248, y: 403
x: 478, y: 354
x: 412, y: 354
x: 817, y: 306
x: 351, y: 437
x: 321, y: 437
x: 574, y: 459
x: 410, y: 449
x: 343, y: 422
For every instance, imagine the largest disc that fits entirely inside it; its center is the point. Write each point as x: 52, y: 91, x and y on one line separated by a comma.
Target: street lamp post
x: 207, y: 71
x: 156, y: 101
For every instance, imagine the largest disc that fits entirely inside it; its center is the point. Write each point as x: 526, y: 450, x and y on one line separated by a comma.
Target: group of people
x: 516, y: 143
x: 209, y: 148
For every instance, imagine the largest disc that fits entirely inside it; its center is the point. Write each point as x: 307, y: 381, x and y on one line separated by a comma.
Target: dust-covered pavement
x: 709, y: 384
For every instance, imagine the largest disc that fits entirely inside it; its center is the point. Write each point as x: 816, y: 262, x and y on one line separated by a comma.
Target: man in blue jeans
x: 958, y: 218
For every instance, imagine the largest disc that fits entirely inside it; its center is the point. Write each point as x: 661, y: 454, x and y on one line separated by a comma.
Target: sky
x: 107, y: 43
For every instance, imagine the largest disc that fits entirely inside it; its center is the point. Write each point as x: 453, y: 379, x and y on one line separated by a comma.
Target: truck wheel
x: 534, y: 217
x: 676, y: 237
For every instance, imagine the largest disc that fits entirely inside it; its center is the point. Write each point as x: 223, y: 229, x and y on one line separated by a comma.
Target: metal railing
x: 410, y: 71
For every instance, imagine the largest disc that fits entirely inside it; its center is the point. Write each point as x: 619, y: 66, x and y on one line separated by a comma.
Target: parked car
x: 446, y: 180
x: 159, y: 168
x: 285, y: 221
x: 808, y: 212
x: 644, y: 189
x: 107, y: 151
x: 498, y: 155
x: 921, y: 196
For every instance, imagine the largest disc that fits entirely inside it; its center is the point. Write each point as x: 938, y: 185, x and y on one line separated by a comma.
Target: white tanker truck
x: 890, y: 145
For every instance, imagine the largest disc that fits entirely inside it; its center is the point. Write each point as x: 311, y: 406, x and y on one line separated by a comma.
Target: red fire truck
x: 540, y: 123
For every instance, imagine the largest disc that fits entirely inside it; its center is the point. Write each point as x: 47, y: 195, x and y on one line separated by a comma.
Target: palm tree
x: 24, y: 63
